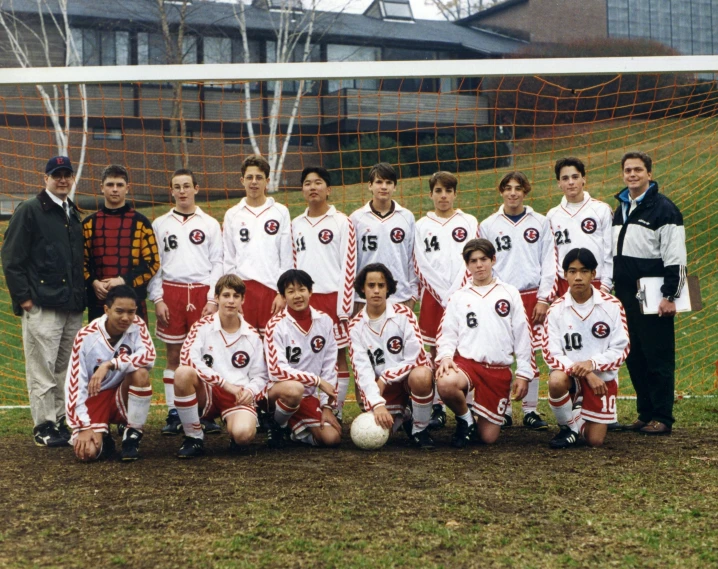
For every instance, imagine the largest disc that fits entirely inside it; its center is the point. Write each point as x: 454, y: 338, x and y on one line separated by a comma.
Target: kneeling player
x: 483, y: 327
x: 222, y: 371
x: 108, y: 379
x: 585, y: 344
x: 301, y: 357
x: 388, y: 357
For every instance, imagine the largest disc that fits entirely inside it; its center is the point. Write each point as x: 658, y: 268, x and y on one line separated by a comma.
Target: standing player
x: 484, y: 326
x: 108, y: 380
x: 586, y: 343
x: 221, y: 373
x: 325, y: 247
x: 301, y: 357
x: 388, y: 357
x: 258, y: 243
x: 183, y: 289
x: 581, y: 221
x: 440, y: 237
x: 526, y: 259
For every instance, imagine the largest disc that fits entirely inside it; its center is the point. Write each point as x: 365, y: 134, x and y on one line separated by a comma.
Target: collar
x: 54, y: 198
x: 625, y: 197
x: 315, y: 314
x: 528, y: 208
x: 266, y: 205
x: 389, y: 312
x: 432, y: 215
x: 392, y: 209
x: 331, y: 211
x: 596, y: 295
x: 217, y: 325
x: 116, y: 211
x: 197, y: 211
x: 586, y: 197
x: 106, y: 334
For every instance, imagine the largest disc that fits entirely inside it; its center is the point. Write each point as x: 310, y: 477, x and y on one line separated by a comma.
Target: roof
x: 500, y: 7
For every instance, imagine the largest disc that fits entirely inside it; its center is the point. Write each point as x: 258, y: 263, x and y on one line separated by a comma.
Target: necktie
x: 66, y: 207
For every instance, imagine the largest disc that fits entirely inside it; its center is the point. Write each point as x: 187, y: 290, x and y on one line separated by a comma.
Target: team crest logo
x: 123, y: 350
x: 397, y: 235
x: 531, y: 235
x: 326, y: 236
x: 318, y: 343
x: 395, y: 344
x: 502, y: 307
x: 197, y: 237
x: 589, y: 225
x: 208, y: 360
x: 240, y: 359
x: 600, y: 330
x: 271, y: 227
x: 459, y: 234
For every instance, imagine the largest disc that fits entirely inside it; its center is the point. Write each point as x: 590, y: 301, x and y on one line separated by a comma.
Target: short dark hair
x: 295, y: 277
x: 383, y: 170
x: 375, y: 268
x: 258, y: 161
x: 584, y: 256
x: 319, y: 171
x: 446, y: 179
x: 115, y: 171
x: 519, y: 177
x: 483, y: 245
x: 569, y: 161
x: 642, y: 156
x: 122, y: 291
x: 184, y: 172
x: 230, y: 281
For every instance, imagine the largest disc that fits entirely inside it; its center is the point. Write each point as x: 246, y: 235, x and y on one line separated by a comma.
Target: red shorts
x: 327, y: 303
x: 185, y: 303
x: 562, y: 286
x: 430, y: 315
x: 257, y: 306
x: 307, y: 416
x: 597, y: 409
x: 491, y: 386
x: 219, y: 403
x: 529, y: 298
x: 104, y: 409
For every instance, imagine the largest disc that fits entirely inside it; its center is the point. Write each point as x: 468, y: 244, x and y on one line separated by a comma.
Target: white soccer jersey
x: 258, y: 242
x: 191, y: 251
x: 306, y: 357
x: 437, y: 252
x: 589, y: 228
x: 488, y: 324
x: 596, y: 331
x: 390, y: 355
x: 388, y: 240
x: 326, y: 248
x: 525, y: 252
x: 219, y: 357
x: 134, y: 350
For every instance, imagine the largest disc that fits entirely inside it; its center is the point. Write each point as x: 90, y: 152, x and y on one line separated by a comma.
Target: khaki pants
x: 47, y: 335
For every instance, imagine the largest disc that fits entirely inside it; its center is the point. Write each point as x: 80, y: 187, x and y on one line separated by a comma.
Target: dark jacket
x: 42, y: 256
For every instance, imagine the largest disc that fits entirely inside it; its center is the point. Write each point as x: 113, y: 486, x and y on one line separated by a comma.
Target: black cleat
x: 236, y: 448
x: 565, y: 438
x: 63, y: 430
x: 121, y: 429
x: 463, y: 434
x: 276, y: 436
x: 191, y: 448
x: 108, y: 447
x: 210, y: 427
x: 508, y: 422
x: 438, y: 417
x: 534, y: 422
x: 422, y: 440
x: 615, y: 427
x: 47, y: 435
x: 173, y: 425
x: 131, y: 445
x: 263, y: 420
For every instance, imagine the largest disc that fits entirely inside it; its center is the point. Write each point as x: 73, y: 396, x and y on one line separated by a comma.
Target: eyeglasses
x: 57, y: 176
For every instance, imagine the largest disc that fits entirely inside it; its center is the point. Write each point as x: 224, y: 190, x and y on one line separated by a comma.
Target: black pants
x: 651, y: 362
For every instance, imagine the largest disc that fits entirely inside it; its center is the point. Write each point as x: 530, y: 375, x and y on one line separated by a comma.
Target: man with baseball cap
x: 42, y: 256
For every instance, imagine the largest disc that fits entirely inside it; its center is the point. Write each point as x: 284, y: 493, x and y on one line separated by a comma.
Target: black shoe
x: 408, y: 426
x: 108, y: 447
x: 508, y: 422
x: 121, y: 430
x: 422, y: 440
x: 173, y: 426
x: 565, y: 438
x: 46, y: 435
x: 210, y: 427
x: 438, y: 417
x: 276, y: 436
x: 191, y: 448
x: 131, y: 445
x: 463, y: 434
x: 534, y: 422
x: 615, y: 427
x: 263, y: 420
x: 63, y: 430
x: 237, y: 448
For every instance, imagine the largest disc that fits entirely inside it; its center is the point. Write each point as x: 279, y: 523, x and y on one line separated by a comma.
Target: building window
x: 100, y: 47
x: 337, y: 52
x: 151, y: 49
x: 167, y: 135
x: 106, y: 134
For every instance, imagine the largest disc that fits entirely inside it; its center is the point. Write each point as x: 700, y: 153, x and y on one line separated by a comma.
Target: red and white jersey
x: 258, y: 242
x: 437, y: 252
x: 389, y: 355
x: 220, y: 357
x: 488, y: 324
x: 303, y: 356
x: 595, y: 331
x: 388, y: 240
x: 191, y: 251
x: 525, y: 252
x: 134, y: 350
x: 586, y: 225
x: 326, y: 248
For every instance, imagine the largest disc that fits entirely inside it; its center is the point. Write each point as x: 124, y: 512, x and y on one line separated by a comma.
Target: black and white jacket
x: 650, y: 242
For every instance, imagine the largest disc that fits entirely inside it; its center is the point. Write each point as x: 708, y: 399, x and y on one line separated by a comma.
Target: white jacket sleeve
x: 230, y: 251
x: 525, y: 358
x: 549, y: 265
x: 345, y: 298
x: 552, y: 349
x: 413, y: 352
x: 258, y: 376
x: 286, y: 251
x: 364, y: 374
x: 329, y: 369
x: 618, y: 347
x: 216, y: 258
x: 448, y: 336
x: 76, y: 382
x: 606, y: 222
x: 144, y: 352
x: 154, y: 287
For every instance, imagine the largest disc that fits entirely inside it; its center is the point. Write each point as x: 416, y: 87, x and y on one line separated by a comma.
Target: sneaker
x: 63, y: 429
x: 121, y: 429
x: 508, y: 422
x: 237, y: 448
x: 46, y: 435
x: 191, y: 448
x: 210, y: 427
x: 173, y: 425
x: 276, y: 436
x: 463, y: 434
x: 422, y: 440
x: 438, y: 417
x: 534, y: 422
x: 108, y: 447
x: 263, y: 420
x: 615, y: 427
x: 564, y: 439
x: 131, y: 445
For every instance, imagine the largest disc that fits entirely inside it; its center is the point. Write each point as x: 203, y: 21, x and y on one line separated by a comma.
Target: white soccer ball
x: 366, y: 434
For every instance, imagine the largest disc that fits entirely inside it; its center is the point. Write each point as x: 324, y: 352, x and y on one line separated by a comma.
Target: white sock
x: 530, y: 402
x: 509, y: 412
x: 168, y: 377
x: 138, y: 406
x: 468, y: 417
x: 282, y: 413
x: 577, y: 421
x: 437, y: 400
x: 342, y: 389
x: 421, y: 405
x: 561, y: 408
x: 188, y: 411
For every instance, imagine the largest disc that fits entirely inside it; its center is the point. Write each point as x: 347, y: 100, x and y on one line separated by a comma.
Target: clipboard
x: 649, y: 295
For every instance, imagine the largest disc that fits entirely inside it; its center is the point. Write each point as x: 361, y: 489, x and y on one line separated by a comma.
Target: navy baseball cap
x: 58, y: 163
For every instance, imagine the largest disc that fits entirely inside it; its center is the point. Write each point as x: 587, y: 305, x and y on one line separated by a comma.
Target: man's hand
x: 278, y: 303
x: 232, y: 389
x: 382, y: 417
x: 328, y: 417
x: 539, y: 313
x: 163, y: 313
x: 245, y: 397
x: 328, y: 388
x: 112, y: 283
x: 100, y: 288
x: 88, y: 444
x: 93, y: 388
x: 520, y: 389
x: 27, y: 305
x: 666, y: 308
x: 596, y: 384
x: 446, y: 366
x: 209, y: 308
x: 582, y: 369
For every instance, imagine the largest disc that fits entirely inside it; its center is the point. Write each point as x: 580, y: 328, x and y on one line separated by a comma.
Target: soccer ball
x: 366, y: 434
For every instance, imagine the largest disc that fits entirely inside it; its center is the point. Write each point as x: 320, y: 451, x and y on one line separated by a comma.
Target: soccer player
x: 258, y: 243
x: 388, y: 358
x: 586, y: 342
x: 120, y: 246
x: 325, y: 247
x: 108, y: 380
x: 440, y: 237
x: 581, y: 221
x: 183, y: 288
x: 385, y: 234
x: 222, y: 372
x: 526, y: 259
x: 484, y: 326
x: 301, y: 357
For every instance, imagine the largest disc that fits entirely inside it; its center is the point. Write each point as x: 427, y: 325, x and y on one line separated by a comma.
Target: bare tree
x: 55, y: 99
x: 457, y: 9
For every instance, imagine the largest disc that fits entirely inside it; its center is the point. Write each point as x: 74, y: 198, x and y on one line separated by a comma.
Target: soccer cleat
x: 121, y: 429
x: 276, y: 436
x: 63, y: 429
x: 131, y: 445
x: 508, y: 422
x: 173, y: 425
x: 191, y: 448
x: 236, y: 448
x: 534, y: 422
x: 438, y: 417
x: 263, y: 420
x: 422, y: 439
x: 615, y: 427
x: 108, y: 447
x: 463, y: 434
x: 46, y: 435
x: 565, y: 438
x: 210, y: 427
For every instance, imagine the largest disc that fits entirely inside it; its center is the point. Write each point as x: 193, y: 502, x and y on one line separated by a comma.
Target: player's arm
x: 191, y: 355
x: 76, y: 387
x: 364, y: 374
x: 278, y: 353
x: 606, y: 222
x: 413, y: 278
x: 258, y: 376
x: 447, y: 340
x: 553, y: 349
x: 15, y: 255
x: 413, y: 351
x: 143, y: 355
x: 149, y: 261
x: 526, y: 368
x: 155, y: 291
x: 612, y: 358
x: 672, y: 239
x: 286, y: 255
x: 549, y: 274
x: 348, y: 248
x: 229, y: 253
x: 329, y: 373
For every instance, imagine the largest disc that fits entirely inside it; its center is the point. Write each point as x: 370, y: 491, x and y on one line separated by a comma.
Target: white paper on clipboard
x: 649, y: 296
